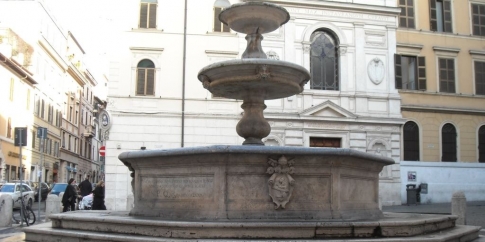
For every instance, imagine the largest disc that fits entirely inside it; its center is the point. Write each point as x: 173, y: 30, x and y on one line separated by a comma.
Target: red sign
x: 102, y: 151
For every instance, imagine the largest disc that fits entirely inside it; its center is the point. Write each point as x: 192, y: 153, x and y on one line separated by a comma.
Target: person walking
x: 69, y: 197
x: 86, y: 187
x: 98, y: 197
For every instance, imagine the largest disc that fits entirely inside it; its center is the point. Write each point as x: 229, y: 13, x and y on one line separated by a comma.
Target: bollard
x: 129, y: 202
x: 6, y: 209
x: 52, y: 206
x: 458, y: 207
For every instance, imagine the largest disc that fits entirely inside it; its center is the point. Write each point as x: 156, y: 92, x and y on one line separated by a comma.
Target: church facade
x: 155, y: 100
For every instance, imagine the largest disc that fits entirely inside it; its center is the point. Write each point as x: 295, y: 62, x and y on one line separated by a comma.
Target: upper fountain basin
x: 239, y: 78
x: 254, y: 17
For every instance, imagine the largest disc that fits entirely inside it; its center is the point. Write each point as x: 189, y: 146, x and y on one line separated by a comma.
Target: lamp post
x: 42, y: 135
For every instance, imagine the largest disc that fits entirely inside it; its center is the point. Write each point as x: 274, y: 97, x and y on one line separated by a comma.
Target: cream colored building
x: 440, y: 71
x: 45, y: 83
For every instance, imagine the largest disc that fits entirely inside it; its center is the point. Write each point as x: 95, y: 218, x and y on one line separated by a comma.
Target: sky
x: 89, y: 21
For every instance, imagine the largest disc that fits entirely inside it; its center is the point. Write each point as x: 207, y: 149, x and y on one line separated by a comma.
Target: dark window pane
x: 411, y: 141
x: 140, y: 82
x: 481, y: 144
x: 448, y: 143
x: 217, y: 22
x: 143, y: 15
x: 152, y: 16
x: 324, y: 61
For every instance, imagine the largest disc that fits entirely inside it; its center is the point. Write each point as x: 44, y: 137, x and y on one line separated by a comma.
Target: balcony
x: 89, y: 132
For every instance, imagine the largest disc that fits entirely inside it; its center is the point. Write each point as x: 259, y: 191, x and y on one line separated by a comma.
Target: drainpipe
x: 183, y: 75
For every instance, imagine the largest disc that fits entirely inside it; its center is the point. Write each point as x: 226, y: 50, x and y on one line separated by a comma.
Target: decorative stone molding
x: 272, y: 55
x: 374, y: 38
x: 280, y: 183
x: 342, y: 50
x: 376, y: 70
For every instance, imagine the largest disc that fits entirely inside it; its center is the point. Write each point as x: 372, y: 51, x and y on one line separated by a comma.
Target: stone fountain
x: 252, y: 191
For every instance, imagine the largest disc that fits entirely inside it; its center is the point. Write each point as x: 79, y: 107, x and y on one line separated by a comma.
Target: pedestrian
x: 86, y: 187
x: 69, y: 197
x: 98, y: 197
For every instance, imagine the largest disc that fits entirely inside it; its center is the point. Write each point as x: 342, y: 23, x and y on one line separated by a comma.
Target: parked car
x: 13, y: 189
x: 61, y: 187
x: 29, y: 183
x: 45, y: 189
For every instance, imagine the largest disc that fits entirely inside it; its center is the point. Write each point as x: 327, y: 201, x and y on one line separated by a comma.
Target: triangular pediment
x: 328, y: 109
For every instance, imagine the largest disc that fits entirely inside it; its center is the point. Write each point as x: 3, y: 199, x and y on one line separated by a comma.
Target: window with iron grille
x: 481, y: 144
x: 448, y: 143
x: 411, y: 141
x: 410, y: 72
x: 406, y: 17
x: 324, y: 61
x: 478, y: 19
x: 325, y: 142
x: 145, y: 83
x: 148, y: 14
x: 440, y: 16
x: 480, y: 78
x: 447, y: 75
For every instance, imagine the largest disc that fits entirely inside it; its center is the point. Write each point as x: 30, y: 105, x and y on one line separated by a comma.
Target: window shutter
x: 150, y: 82
x: 451, y: 75
x: 152, y: 21
x: 421, y: 73
x: 480, y: 78
x: 140, y: 82
x: 143, y: 15
x: 448, y: 26
x: 432, y: 15
x: 217, y: 22
x: 398, y: 70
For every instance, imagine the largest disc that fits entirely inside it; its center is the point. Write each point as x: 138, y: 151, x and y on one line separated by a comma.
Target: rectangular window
x: 148, y: 15
x: 325, y: 142
x: 447, y: 75
x: 28, y: 99
x: 410, y: 72
x: 218, y: 25
x: 478, y: 19
x: 9, y: 128
x: 480, y: 78
x: 406, y: 17
x: 440, y: 16
x: 33, y: 139
x: 12, y: 83
x: 37, y: 106
x: 69, y: 143
x: 42, y: 104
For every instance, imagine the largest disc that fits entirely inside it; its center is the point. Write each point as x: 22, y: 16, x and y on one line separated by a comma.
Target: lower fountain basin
x: 234, y: 182
x: 237, y: 79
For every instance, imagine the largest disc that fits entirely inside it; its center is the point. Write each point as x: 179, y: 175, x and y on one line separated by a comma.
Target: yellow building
x: 440, y: 71
x: 16, y: 92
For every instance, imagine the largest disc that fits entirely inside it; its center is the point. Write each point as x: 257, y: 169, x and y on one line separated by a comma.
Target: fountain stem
x: 252, y: 126
x: 254, y: 48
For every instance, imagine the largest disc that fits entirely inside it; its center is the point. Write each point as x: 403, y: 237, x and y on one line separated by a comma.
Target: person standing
x: 86, y: 187
x: 98, y: 197
x: 69, y: 197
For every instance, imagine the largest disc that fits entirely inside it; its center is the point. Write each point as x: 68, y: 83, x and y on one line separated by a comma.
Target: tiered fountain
x: 252, y: 191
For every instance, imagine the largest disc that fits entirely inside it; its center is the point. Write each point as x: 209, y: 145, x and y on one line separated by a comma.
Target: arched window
x: 148, y: 14
x: 324, y: 61
x: 448, y: 143
x: 220, y: 5
x: 481, y: 144
x: 145, y: 78
x: 411, y: 141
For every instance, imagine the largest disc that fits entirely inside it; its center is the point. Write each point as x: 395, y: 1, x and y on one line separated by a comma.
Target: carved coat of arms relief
x: 280, y: 183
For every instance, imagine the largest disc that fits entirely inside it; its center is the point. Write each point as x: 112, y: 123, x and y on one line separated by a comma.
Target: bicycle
x: 29, y: 215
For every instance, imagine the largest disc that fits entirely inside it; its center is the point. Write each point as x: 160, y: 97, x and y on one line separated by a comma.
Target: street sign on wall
x: 102, y: 151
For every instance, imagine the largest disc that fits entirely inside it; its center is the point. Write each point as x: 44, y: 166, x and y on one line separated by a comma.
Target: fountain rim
x: 254, y: 61
x: 262, y: 4
x: 254, y: 150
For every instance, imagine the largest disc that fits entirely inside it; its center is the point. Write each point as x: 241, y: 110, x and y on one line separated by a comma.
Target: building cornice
x: 477, y: 52
x: 410, y: 46
x: 147, y: 49
x: 53, y: 53
x: 16, y: 69
x: 337, y: 5
x: 446, y: 49
x: 429, y: 109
